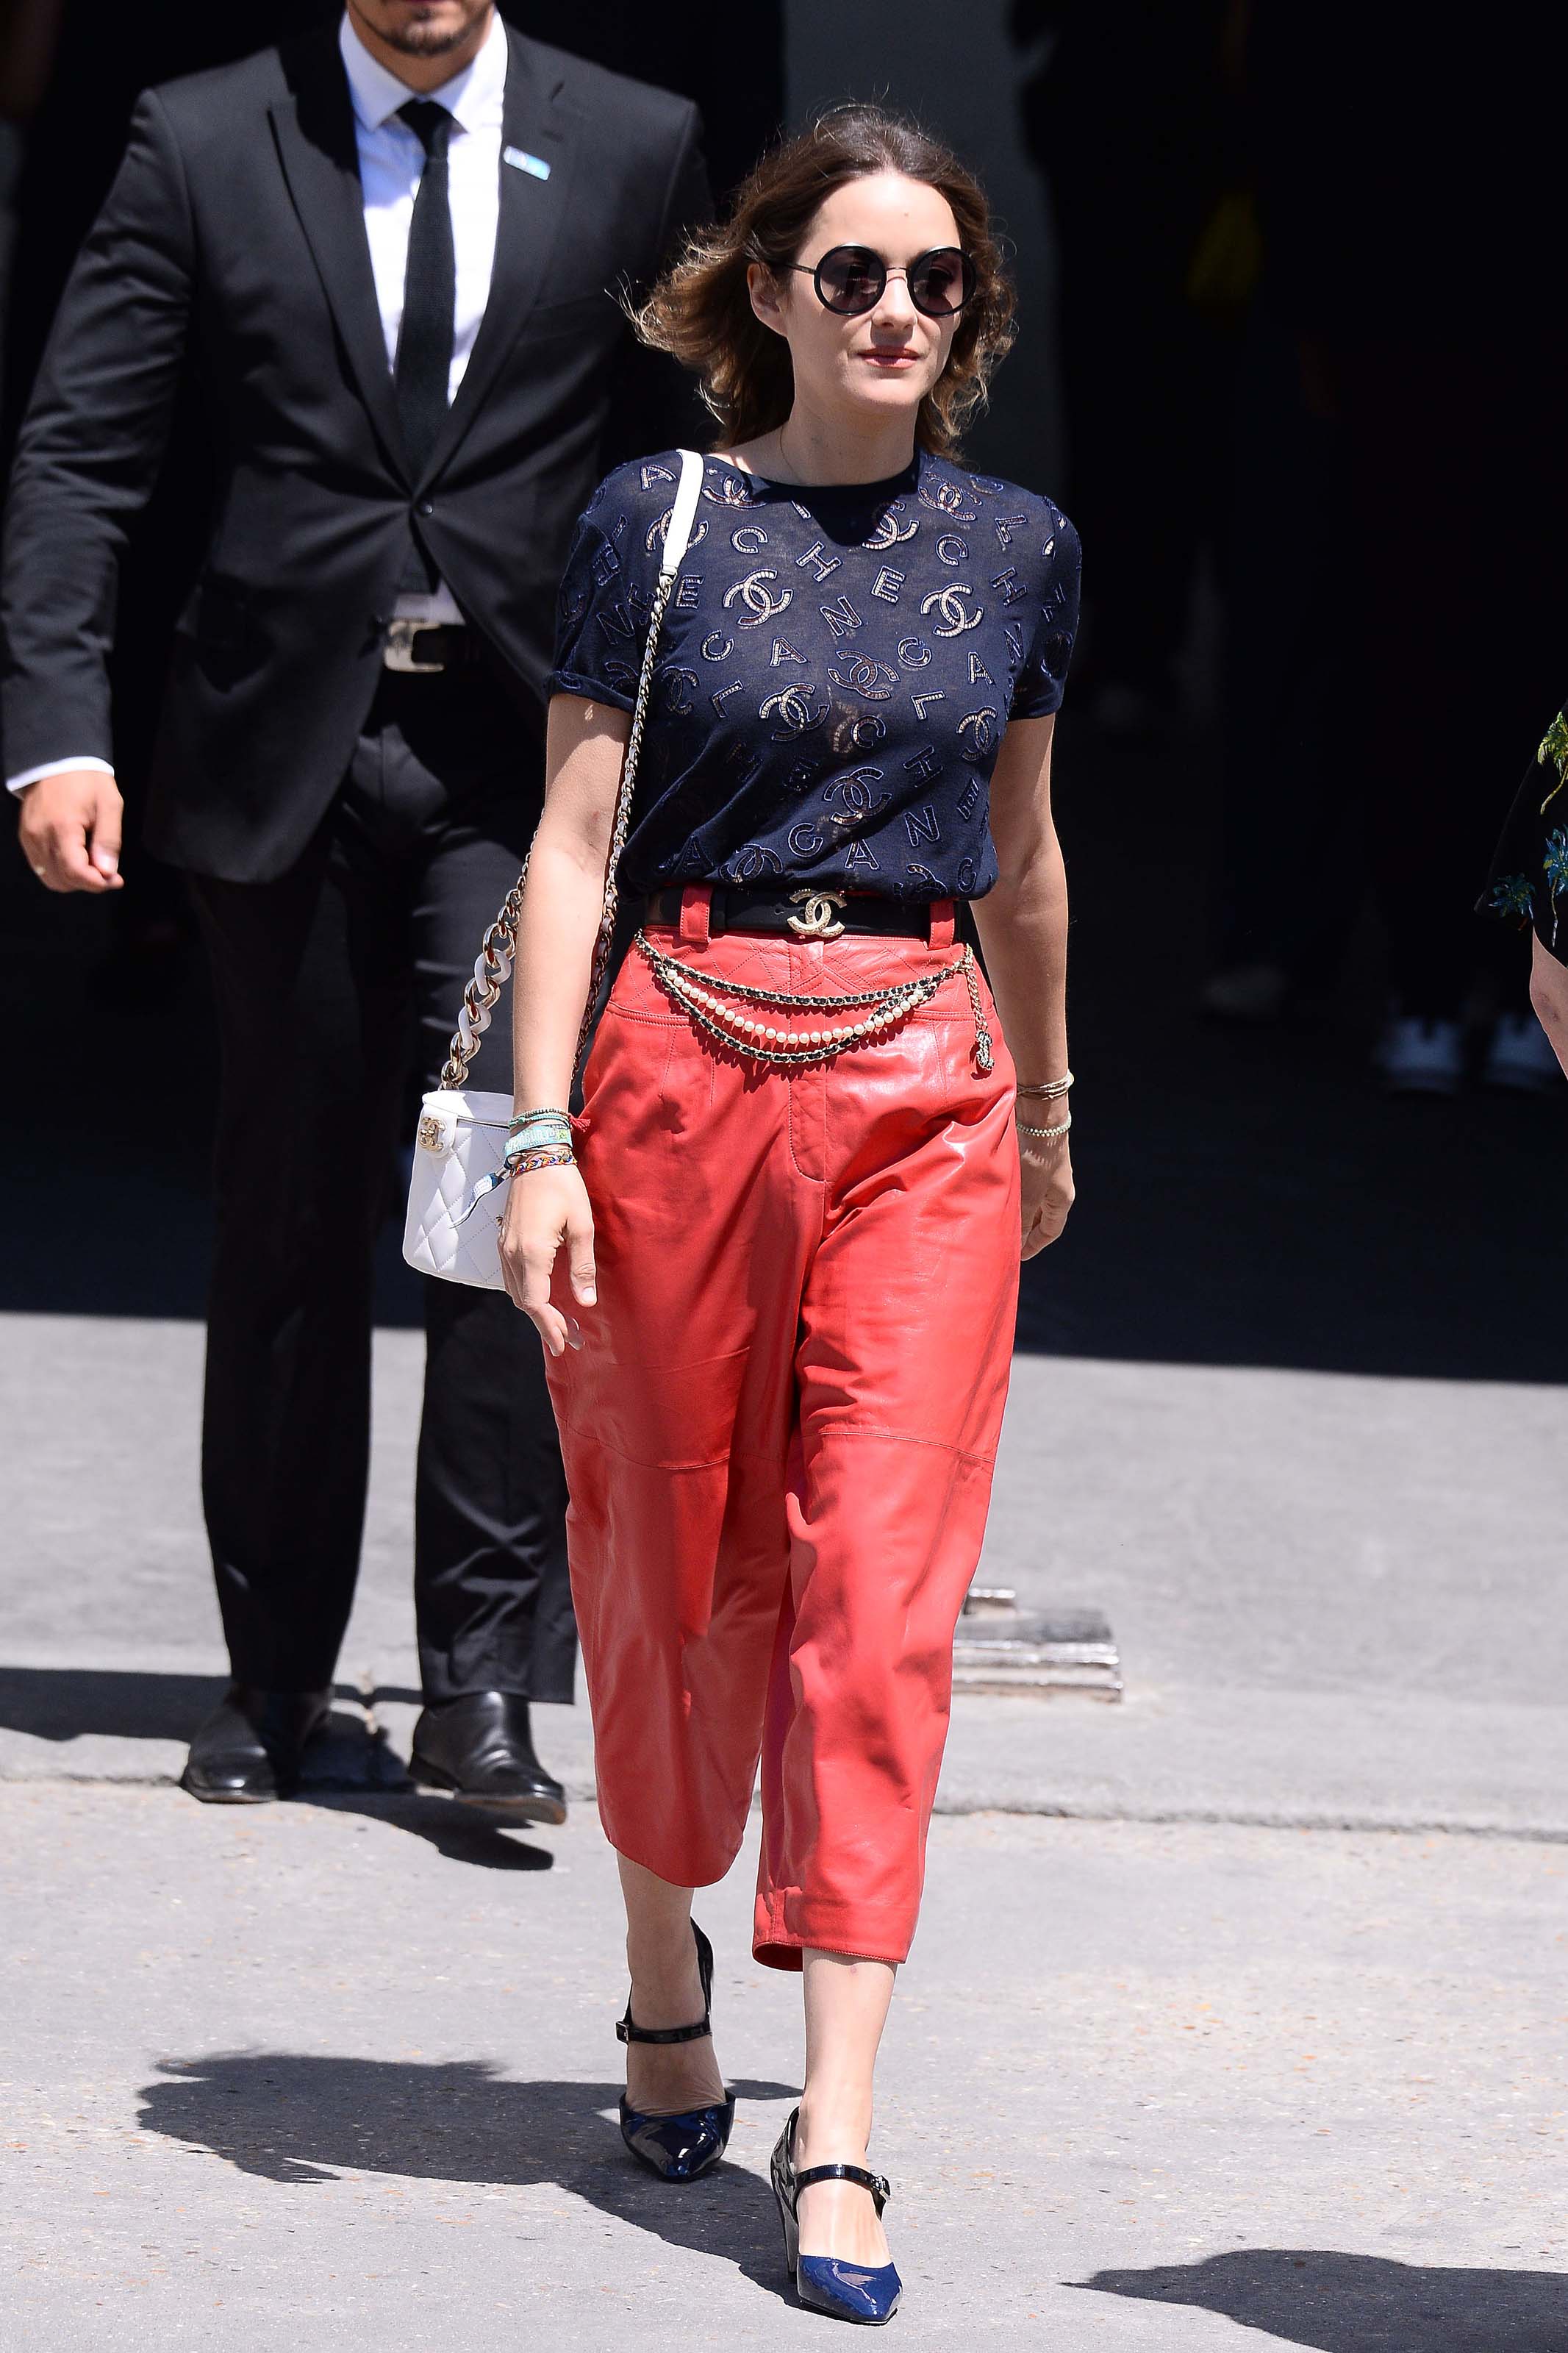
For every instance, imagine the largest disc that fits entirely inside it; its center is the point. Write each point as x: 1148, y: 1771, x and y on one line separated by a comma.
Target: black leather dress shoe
x: 249, y: 1747
x: 478, y: 1749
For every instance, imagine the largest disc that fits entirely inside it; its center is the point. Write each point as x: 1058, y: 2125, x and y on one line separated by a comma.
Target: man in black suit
x: 383, y: 255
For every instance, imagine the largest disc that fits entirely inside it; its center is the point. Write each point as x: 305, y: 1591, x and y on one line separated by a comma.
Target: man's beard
x: 424, y: 40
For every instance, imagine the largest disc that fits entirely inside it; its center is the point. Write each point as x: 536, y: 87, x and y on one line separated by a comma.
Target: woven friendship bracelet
x: 550, y: 1155
x: 527, y: 1137
x: 527, y: 1151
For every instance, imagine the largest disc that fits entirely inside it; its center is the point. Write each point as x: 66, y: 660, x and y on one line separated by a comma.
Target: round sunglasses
x: 850, y: 279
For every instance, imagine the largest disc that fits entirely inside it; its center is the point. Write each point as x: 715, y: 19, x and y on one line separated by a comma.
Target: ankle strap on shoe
x: 626, y: 2032
x: 874, y: 2182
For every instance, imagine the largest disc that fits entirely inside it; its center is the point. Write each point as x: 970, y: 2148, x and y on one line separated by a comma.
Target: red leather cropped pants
x: 779, y: 1430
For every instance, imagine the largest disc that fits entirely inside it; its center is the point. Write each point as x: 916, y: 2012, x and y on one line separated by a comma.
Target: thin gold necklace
x: 791, y: 478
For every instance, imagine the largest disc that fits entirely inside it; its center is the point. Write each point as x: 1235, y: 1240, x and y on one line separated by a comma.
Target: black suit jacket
x: 232, y: 248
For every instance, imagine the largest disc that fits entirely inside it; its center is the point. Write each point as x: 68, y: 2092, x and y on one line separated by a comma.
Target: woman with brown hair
x: 775, y: 1259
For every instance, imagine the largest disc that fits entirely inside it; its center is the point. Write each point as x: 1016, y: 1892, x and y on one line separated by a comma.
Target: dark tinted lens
x: 850, y: 279
x: 941, y: 282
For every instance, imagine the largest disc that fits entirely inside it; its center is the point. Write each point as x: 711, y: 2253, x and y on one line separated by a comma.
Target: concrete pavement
x: 1337, y: 1596
x: 308, y: 2077
x: 1178, y: 2052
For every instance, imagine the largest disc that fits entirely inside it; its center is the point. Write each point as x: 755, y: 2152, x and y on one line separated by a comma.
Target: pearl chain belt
x: 721, y: 1008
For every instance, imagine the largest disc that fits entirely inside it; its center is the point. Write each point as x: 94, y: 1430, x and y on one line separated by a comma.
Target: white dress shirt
x: 391, y: 160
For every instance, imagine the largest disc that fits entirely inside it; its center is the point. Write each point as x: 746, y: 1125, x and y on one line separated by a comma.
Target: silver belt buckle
x: 398, y: 651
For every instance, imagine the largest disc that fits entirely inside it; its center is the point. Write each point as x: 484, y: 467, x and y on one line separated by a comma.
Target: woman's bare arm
x: 1023, y: 926
x: 1548, y: 995
x: 584, y: 745
x: 561, y: 903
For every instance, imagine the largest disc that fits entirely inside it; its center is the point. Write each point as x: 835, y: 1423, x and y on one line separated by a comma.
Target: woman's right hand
x: 545, y: 1209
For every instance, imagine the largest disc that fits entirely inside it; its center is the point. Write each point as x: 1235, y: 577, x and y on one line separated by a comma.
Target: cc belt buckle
x: 818, y: 921
x: 398, y: 653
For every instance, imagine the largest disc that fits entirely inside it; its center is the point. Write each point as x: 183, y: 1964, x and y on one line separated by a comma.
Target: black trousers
x: 330, y: 983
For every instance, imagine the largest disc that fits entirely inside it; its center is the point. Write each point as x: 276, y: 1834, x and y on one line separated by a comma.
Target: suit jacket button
x: 426, y: 507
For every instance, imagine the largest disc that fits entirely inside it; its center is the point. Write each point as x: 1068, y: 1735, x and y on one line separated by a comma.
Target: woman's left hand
x: 1045, y: 1170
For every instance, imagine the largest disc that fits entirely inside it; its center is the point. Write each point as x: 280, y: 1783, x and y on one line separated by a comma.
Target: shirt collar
x: 474, y: 96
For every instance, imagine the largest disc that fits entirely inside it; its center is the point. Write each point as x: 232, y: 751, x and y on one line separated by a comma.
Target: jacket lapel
x: 315, y: 128
x: 538, y: 123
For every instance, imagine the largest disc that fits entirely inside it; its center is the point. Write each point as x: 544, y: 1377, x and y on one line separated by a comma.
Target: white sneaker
x: 1520, y: 1057
x: 1421, y: 1057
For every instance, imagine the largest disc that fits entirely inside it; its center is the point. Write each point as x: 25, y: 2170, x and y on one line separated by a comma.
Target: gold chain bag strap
x: 457, y: 1190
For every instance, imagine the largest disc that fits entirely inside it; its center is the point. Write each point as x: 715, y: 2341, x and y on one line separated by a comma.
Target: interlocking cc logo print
x: 858, y: 674
x: 978, y: 733
x: 888, y: 531
x: 948, y: 500
x: 761, y: 603
x: 754, y: 857
x: 793, y: 707
x: 857, y: 791
x: 677, y: 689
x: 658, y: 532
x: 949, y: 603
x: 819, y: 921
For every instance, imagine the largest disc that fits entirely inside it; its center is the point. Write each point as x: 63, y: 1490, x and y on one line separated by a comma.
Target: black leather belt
x: 424, y: 648
x: 809, y: 914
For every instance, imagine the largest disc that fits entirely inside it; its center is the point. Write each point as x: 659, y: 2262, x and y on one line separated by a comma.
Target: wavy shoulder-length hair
x: 701, y: 310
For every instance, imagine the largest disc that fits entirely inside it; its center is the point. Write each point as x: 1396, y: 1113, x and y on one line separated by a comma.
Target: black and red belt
x: 814, y: 912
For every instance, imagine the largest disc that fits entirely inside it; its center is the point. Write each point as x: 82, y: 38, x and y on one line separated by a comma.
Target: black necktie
x: 424, y: 362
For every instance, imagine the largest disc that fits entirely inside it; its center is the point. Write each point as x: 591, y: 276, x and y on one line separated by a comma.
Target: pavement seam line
x: 1328, y: 1822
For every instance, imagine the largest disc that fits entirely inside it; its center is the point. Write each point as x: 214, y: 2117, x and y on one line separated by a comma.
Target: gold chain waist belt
x: 724, y: 1009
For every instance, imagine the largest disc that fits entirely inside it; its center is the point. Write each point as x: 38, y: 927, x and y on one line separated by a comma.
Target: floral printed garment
x: 1530, y: 873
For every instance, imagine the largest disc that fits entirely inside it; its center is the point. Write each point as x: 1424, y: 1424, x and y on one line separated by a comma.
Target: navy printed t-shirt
x: 835, y: 672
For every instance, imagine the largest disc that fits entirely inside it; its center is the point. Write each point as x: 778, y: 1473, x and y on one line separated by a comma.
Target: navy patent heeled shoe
x: 678, y: 2147
x: 867, y: 2292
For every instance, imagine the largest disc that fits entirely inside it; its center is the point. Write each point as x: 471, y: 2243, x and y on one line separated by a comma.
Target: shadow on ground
x: 295, y: 2118
x: 62, y: 1703
x: 68, y: 1703
x: 350, y: 1767
x: 77, y: 1702
x: 1361, y: 2303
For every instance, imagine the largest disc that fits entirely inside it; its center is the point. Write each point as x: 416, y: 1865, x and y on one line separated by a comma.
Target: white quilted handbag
x: 457, y: 1193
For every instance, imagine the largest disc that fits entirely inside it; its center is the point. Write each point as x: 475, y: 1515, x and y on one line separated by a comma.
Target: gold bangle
x: 1050, y: 1090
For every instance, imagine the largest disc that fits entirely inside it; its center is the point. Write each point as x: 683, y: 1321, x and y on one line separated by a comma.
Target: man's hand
x: 70, y: 829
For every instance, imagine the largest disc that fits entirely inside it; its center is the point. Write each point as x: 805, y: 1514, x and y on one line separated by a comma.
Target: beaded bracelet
x: 1050, y: 1090
x: 1046, y: 1135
